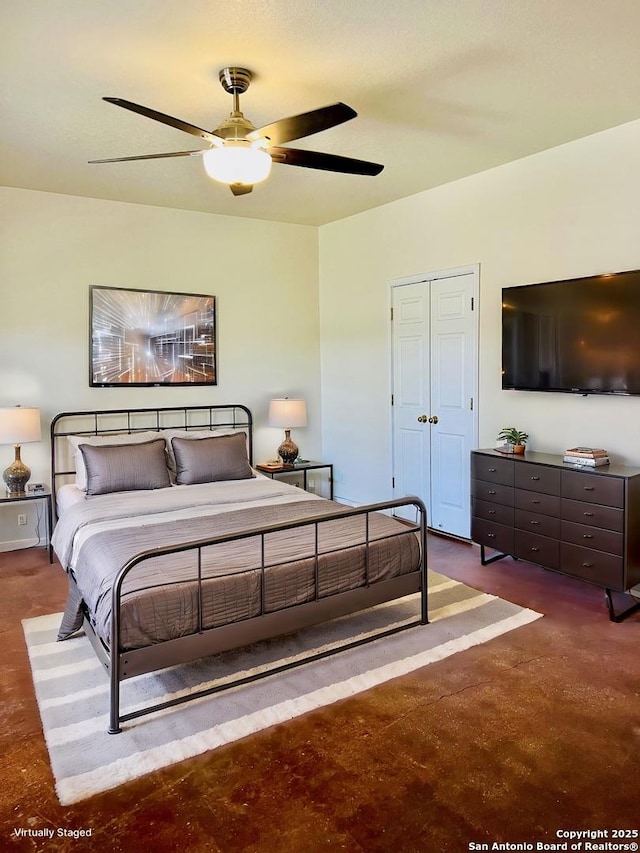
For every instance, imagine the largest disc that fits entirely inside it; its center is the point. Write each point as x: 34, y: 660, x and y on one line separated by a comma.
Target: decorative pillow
x: 101, y: 440
x: 125, y: 467
x: 191, y: 435
x: 207, y: 460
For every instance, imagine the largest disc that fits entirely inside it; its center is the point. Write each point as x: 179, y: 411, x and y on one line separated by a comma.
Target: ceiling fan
x: 240, y: 154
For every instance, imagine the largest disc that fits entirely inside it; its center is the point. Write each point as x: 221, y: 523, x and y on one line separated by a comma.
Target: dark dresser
x: 583, y: 522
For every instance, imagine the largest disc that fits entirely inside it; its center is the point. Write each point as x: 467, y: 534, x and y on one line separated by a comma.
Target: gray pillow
x: 125, y: 467
x: 116, y: 438
x: 207, y: 460
x: 192, y: 435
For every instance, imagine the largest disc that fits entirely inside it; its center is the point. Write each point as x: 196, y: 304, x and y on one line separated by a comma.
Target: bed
x: 176, y: 548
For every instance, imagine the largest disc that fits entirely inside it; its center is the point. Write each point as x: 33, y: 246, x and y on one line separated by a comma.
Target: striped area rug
x: 72, y: 688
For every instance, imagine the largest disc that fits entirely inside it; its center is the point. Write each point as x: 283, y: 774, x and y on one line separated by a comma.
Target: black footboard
x: 122, y: 664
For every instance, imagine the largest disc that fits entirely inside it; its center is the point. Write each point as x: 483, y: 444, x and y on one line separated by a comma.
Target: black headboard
x: 118, y: 421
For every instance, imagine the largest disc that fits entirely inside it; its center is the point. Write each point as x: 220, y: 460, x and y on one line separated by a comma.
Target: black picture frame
x: 149, y: 338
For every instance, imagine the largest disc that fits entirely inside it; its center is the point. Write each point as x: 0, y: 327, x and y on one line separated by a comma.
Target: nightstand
x: 303, y: 467
x: 45, y: 496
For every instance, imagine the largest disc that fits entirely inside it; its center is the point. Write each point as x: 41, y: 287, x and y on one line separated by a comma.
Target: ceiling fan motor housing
x: 234, y: 127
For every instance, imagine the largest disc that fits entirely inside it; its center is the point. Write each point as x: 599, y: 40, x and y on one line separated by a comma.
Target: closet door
x: 410, y: 397
x: 434, y: 388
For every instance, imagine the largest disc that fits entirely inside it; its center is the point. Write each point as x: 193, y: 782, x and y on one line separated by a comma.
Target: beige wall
x: 574, y: 210
x: 263, y: 274
x: 570, y: 211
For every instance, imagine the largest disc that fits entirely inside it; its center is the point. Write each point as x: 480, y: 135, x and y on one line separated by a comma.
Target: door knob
x: 433, y: 419
x: 422, y: 419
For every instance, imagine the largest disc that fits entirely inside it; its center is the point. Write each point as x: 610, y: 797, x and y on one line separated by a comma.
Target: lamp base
x: 288, y: 450
x: 16, y: 476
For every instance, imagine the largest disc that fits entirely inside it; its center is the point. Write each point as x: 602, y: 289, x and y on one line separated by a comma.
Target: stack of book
x: 587, y: 456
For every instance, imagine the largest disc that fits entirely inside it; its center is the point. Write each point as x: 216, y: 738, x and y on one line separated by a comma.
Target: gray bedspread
x: 162, y: 597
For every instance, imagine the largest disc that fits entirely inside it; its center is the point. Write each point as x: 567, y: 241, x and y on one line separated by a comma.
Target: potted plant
x: 515, y: 438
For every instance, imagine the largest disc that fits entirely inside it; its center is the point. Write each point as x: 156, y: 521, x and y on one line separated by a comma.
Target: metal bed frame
x: 118, y: 421
x: 125, y: 664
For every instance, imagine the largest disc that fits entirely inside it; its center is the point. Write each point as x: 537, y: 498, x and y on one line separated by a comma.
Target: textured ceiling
x: 443, y: 89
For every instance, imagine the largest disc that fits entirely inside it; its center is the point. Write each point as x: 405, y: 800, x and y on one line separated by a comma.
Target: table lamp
x: 18, y: 426
x: 288, y: 414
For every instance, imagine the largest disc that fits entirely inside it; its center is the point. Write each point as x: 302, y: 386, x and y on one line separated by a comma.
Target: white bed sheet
x: 85, y: 516
x: 67, y: 496
x: 70, y: 494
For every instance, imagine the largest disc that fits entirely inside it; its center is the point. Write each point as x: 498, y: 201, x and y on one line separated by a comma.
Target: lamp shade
x: 237, y: 162
x: 287, y: 413
x: 19, y: 426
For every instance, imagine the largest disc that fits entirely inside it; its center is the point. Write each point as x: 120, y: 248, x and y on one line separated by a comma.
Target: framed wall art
x: 150, y: 338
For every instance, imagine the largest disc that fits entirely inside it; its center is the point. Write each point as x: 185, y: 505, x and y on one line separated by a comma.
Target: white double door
x: 434, y: 407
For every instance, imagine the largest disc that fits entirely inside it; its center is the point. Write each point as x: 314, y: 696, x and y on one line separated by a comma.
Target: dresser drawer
x: 545, y: 525
x: 594, y: 488
x: 492, y: 469
x: 592, y: 537
x: 537, y: 502
x: 595, y: 515
x: 493, y: 512
x: 537, y: 549
x: 537, y: 478
x: 593, y: 566
x: 497, y: 536
x: 493, y: 492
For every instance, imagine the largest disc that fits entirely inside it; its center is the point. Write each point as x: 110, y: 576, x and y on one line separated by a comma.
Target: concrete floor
x: 531, y: 734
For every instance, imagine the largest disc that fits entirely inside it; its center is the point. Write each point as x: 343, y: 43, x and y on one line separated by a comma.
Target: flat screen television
x: 579, y: 336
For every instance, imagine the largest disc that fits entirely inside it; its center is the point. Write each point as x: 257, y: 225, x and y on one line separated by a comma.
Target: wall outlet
x: 22, y: 519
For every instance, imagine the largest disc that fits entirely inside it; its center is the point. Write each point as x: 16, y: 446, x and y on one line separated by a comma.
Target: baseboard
x: 18, y: 544
x: 347, y: 501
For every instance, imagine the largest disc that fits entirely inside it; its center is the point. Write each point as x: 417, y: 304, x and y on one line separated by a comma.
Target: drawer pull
x: 492, y: 470
x: 491, y: 535
x: 534, y: 548
x: 589, y: 488
x: 492, y: 491
x: 492, y: 511
x: 534, y: 522
x: 536, y: 501
x: 535, y: 477
x: 588, y: 514
x: 587, y: 565
x: 587, y: 535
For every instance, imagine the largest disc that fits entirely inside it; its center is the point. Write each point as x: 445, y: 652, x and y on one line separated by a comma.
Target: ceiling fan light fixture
x: 237, y: 162
x: 241, y: 154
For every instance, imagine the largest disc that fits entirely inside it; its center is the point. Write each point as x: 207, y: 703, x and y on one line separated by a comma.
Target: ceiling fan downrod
x: 235, y: 81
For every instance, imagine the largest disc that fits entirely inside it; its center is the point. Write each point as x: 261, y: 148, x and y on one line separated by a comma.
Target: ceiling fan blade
x: 305, y: 124
x: 165, y: 119
x: 150, y: 156
x: 325, y: 162
x: 240, y: 189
